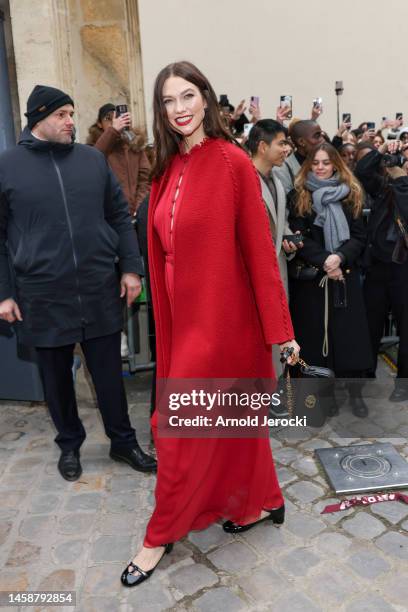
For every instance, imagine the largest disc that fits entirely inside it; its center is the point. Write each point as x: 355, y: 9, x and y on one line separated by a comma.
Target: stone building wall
x: 268, y: 48
x: 4, y: 7
x: 89, y: 48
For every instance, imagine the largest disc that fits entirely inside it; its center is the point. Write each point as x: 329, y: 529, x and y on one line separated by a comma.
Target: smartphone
x: 339, y: 86
x: 247, y: 128
x: 346, y: 117
x: 223, y: 100
x: 295, y: 238
x: 317, y: 102
x: 370, y: 125
x: 121, y: 109
x: 398, y: 116
x: 286, y: 102
x: 255, y: 100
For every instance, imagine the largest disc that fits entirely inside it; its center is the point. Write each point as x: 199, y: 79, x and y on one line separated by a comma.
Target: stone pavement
x: 57, y: 535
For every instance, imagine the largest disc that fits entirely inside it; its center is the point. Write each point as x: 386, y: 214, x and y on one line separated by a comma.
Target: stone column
x: 89, y: 48
x: 107, y: 57
x: 137, y: 96
x: 36, y: 46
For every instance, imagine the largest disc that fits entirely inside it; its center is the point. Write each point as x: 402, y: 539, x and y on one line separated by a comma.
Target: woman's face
x: 377, y: 142
x: 185, y: 106
x: 322, y: 167
x: 106, y: 121
x: 348, y: 154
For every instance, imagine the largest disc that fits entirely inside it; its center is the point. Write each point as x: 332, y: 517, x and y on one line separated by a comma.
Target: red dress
x: 192, y: 239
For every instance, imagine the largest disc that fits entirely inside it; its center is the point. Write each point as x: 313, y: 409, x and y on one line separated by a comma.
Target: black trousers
x: 105, y: 366
x: 385, y: 288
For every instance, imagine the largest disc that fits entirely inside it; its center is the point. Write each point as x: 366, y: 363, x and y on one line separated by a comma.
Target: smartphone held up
x: 247, y: 129
x: 122, y: 109
x: 286, y: 102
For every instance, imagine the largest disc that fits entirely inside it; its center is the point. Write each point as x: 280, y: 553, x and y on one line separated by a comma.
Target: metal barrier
x: 138, y: 335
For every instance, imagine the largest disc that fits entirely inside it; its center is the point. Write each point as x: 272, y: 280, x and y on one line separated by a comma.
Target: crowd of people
x: 262, y: 239
x: 314, y: 185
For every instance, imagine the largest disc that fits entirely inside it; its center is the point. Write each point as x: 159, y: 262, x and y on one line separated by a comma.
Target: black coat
x: 349, y: 342
x: 64, y: 223
x: 385, y: 194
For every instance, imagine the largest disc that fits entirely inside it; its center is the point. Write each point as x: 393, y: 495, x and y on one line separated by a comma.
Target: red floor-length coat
x: 229, y: 307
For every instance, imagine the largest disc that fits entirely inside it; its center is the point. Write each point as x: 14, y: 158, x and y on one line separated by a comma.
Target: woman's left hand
x: 296, y: 350
x: 332, y: 263
x: 336, y: 275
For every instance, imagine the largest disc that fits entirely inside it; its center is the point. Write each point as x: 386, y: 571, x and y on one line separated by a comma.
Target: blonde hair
x: 354, y: 199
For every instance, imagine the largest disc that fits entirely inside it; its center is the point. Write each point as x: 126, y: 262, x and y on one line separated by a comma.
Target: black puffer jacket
x: 63, y: 223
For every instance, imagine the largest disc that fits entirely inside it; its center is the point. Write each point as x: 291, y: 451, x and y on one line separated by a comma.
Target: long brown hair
x: 167, y: 141
x: 304, y: 198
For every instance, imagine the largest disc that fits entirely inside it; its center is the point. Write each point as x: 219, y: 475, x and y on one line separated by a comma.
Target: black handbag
x: 307, y: 391
x: 300, y: 270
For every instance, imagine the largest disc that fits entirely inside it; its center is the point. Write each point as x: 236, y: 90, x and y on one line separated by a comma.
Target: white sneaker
x: 124, y: 349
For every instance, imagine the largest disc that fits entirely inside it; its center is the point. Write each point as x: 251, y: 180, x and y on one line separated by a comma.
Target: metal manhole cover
x: 365, y: 467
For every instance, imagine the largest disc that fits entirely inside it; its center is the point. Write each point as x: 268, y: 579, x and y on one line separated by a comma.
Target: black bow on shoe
x: 129, y: 579
x: 276, y: 516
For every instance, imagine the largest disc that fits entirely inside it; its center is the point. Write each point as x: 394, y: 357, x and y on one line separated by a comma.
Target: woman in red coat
x: 219, y: 305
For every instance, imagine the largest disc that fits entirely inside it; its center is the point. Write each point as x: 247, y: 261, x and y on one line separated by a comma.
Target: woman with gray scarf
x: 326, y: 299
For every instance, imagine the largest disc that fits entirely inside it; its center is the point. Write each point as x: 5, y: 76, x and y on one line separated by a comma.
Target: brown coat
x: 129, y: 163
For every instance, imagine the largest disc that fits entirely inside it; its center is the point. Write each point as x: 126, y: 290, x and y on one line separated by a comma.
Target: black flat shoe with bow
x: 276, y: 516
x: 136, y: 575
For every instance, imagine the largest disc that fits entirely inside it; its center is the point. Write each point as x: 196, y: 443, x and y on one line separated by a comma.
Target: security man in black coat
x: 64, y: 224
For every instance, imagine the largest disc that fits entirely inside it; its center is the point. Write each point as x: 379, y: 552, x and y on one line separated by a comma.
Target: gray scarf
x: 327, y: 195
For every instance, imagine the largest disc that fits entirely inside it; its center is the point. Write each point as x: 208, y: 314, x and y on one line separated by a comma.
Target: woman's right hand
x: 344, y: 127
x: 122, y: 122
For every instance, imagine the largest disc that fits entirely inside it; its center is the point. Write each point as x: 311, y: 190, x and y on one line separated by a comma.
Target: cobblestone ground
x: 57, y: 535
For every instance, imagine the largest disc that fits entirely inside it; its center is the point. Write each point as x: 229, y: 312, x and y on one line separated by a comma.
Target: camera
x: 392, y: 161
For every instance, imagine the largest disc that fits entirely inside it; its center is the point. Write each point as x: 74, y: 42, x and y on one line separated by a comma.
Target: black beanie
x: 105, y: 109
x: 43, y: 101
